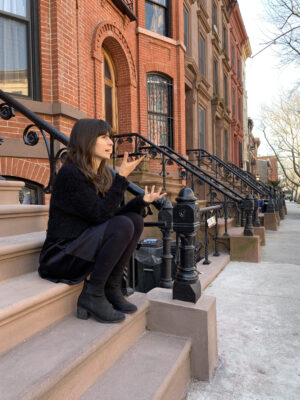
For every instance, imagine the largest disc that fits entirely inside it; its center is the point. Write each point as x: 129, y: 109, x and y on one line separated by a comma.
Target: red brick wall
x: 71, y: 36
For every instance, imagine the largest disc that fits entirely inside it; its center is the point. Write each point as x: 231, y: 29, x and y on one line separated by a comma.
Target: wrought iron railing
x: 225, y: 172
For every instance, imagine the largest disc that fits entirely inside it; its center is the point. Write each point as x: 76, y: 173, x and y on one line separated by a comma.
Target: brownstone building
x: 122, y: 61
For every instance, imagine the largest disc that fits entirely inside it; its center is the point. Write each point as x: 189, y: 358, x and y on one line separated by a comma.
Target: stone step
x: 65, y: 359
x: 29, y: 304
x: 19, y: 219
x: 19, y: 254
x: 157, y: 366
x: 9, y: 191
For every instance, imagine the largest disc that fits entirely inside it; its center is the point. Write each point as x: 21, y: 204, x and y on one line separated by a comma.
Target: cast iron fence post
x: 248, y: 208
x: 256, y: 221
x: 186, y: 222
x: 166, y: 215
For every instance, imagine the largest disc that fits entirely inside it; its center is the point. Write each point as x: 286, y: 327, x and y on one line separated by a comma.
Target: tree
x: 284, y: 16
x: 281, y: 128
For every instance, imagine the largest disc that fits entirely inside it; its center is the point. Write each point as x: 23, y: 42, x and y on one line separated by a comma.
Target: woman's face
x: 103, y: 147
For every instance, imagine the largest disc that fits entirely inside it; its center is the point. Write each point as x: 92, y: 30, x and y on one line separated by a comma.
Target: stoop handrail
x: 31, y: 138
x: 229, y: 168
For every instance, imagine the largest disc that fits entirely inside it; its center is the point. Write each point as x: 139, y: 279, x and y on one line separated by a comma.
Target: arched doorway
x: 110, y: 101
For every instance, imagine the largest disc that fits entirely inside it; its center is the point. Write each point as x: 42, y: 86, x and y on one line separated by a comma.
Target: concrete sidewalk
x: 258, y: 312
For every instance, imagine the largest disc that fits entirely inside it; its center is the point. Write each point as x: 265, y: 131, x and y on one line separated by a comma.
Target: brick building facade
x: 170, y: 72
x: 122, y: 61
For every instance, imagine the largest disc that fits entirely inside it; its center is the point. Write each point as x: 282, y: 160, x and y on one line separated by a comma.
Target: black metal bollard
x: 186, y: 222
x: 249, y: 207
x: 256, y: 221
x: 270, y: 206
x: 166, y: 215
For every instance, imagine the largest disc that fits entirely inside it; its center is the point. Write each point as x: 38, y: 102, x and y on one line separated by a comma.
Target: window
x: 233, y: 102
x: 160, y: 109
x: 186, y: 28
x: 216, y: 77
x: 214, y: 17
x: 232, y: 56
x: 201, y: 127
x: 225, y: 90
x: 240, y: 155
x: 224, y: 38
x: 239, y: 68
x: 240, y: 109
x: 109, y: 92
x: 157, y: 16
x: 19, y: 48
x: 202, y: 55
x: 225, y: 145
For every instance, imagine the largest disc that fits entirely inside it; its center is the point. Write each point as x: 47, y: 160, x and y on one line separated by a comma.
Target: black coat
x: 75, y: 205
x: 77, y: 221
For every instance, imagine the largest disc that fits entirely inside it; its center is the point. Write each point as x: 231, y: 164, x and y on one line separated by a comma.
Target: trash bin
x: 148, y: 259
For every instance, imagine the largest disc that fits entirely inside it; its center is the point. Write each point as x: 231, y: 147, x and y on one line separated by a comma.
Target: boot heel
x: 82, y: 313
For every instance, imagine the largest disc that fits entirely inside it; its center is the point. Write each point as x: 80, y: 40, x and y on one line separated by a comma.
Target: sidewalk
x: 258, y: 312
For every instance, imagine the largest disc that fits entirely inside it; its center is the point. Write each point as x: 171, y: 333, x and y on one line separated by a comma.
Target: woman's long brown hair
x: 80, y: 151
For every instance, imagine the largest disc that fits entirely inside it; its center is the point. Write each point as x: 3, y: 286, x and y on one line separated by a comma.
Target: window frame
x: 225, y: 90
x: 112, y: 84
x: 186, y: 28
x: 233, y: 102
x: 170, y: 112
x: 214, y: 17
x: 33, y: 47
x: 202, y: 70
x: 215, y: 76
x: 232, y: 57
x: 167, y: 22
x: 202, y: 110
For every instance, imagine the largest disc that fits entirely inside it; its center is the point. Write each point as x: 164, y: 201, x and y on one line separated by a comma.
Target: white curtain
x: 13, y: 56
x: 14, y: 6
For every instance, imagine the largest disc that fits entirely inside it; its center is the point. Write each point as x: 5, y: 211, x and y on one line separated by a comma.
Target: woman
x: 88, y: 232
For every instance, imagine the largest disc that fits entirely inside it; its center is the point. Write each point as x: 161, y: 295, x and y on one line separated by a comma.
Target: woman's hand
x: 152, y: 196
x: 128, y: 166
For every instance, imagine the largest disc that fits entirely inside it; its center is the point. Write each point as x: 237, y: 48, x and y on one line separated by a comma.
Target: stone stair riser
x: 16, y: 264
x: 16, y: 224
x: 21, y: 324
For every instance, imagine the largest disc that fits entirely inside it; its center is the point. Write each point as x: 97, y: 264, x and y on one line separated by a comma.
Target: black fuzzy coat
x: 75, y: 205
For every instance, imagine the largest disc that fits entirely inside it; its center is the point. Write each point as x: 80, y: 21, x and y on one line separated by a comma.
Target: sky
x: 264, y: 77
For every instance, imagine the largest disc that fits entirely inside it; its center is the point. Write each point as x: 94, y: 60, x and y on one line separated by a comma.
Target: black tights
x: 119, y: 241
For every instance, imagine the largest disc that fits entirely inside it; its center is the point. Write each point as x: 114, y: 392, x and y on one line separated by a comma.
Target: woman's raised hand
x: 152, y: 196
x: 127, y: 167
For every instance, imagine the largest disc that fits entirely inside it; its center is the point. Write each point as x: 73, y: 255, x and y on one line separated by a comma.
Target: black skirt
x: 71, y: 261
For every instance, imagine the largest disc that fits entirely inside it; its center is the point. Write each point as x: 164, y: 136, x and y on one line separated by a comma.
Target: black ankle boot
x: 115, y: 296
x: 92, y: 301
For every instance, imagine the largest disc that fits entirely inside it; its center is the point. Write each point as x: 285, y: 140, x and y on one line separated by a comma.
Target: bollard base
x: 186, y: 291
x: 270, y: 221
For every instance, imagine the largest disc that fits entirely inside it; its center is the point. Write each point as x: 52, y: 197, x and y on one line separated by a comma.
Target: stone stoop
x: 63, y: 360
x: 48, y: 353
